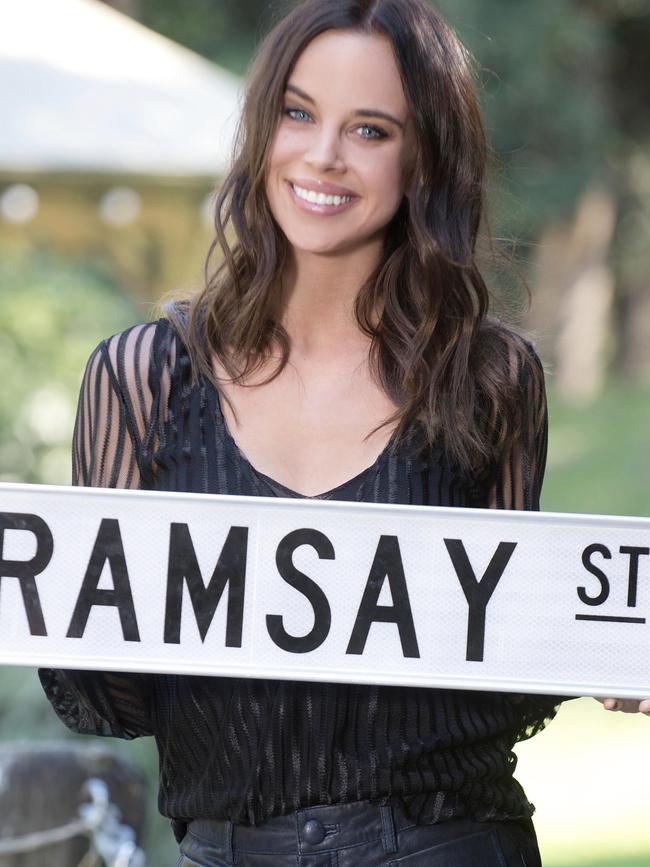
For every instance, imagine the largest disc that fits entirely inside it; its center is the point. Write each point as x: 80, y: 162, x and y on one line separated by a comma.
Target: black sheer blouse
x: 245, y: 749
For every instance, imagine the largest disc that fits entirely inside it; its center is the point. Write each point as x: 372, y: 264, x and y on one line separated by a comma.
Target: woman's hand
x: 627, y: 705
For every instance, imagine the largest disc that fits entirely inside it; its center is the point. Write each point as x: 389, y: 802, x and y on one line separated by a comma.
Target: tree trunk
x: 573, y: 297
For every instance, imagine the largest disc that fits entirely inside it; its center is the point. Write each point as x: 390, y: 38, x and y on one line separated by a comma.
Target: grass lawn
x: 599, y: 454
x: 589, y: 772
x: 641, y: 861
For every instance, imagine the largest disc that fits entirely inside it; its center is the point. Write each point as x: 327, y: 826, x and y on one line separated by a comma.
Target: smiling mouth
x: 321, y: 203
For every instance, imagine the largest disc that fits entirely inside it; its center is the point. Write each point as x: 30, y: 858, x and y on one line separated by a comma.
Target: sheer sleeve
x: 112, y: 436
x: 517, y: 484
x: 518, y: 477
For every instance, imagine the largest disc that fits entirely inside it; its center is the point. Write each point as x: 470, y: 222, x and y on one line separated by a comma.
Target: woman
x: 341, y: 349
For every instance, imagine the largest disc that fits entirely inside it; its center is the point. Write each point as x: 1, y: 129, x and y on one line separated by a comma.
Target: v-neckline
x: 326, y: 495
x: 383, y: 454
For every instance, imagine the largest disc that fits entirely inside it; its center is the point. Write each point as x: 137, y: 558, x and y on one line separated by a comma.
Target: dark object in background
x: 42, y: 788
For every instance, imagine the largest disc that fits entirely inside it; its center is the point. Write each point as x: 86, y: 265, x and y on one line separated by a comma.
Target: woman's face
x: 338, y: 166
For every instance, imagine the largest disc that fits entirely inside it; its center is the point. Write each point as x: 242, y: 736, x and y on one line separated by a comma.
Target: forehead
x: 355, y: 70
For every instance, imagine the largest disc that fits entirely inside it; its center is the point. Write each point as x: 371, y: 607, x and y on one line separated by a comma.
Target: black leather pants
x: 359, y: 835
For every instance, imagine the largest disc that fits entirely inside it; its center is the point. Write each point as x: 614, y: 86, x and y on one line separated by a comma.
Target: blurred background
x: 117, y: 120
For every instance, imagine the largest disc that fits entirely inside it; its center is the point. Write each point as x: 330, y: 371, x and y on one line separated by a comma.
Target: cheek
x: 285, y: 148
x: 277, y: 158
x: 388, y: 182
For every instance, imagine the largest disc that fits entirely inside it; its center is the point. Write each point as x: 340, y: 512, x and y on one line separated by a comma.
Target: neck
x: 319, y: 300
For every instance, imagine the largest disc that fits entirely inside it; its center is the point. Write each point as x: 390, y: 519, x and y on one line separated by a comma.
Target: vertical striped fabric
x: 245, y: 749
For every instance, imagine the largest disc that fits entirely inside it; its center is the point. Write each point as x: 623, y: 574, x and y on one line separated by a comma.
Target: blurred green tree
x: 628, y: 23
x: 224, y: 31
x: 53, y: 313
x: 545, y: 98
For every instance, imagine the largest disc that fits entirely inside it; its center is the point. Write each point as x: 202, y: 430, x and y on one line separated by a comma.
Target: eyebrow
x: 362, y: 112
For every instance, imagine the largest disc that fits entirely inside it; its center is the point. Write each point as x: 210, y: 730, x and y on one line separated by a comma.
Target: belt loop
x: 388, y: 837
x: 230, y: 858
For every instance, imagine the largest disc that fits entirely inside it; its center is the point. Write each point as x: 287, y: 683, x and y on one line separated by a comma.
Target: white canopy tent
x: 85, y: 88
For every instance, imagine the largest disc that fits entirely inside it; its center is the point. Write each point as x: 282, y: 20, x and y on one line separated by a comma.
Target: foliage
x: 225, y: 31
x: 53, y: 313
x: 542, y: 80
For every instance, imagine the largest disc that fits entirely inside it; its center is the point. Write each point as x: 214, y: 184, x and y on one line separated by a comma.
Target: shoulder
x: 134, y: 342
x: 132, y: 355
x: 134, y: 370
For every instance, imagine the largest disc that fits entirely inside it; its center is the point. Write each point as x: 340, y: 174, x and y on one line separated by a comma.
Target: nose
x: 324, y: 152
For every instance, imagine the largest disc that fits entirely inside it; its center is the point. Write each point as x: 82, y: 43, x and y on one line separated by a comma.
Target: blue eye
x: 374, y: 132
x: 293, y: 112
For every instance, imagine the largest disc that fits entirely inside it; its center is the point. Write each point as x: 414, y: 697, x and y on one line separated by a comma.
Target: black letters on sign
x: 305, y: 585
x: 633, y: 574
x: 387, y: 564
x: 587, y: 554
x: 27, y: 570
x: 478, y: 593
x: 108, y: 546
x: 230, y: 569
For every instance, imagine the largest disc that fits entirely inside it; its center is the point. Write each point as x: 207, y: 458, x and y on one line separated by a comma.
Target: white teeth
x: 320, y: 198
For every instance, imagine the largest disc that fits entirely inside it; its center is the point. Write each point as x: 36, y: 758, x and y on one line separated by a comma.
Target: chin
x: 319, y: 246
x: 325, y: 251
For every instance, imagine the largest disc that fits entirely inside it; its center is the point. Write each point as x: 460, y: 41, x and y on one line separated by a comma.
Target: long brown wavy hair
x: 445, y: 364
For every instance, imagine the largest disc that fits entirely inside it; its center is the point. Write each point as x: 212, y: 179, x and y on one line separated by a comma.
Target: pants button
x: 313, y: 832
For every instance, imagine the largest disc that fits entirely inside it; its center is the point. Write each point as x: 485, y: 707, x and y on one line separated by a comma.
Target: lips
x: 321, y: 209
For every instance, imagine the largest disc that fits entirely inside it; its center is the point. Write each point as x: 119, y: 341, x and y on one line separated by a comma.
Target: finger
x: 644, y: 706
x: 625, y: 705
x: 629, y: 705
